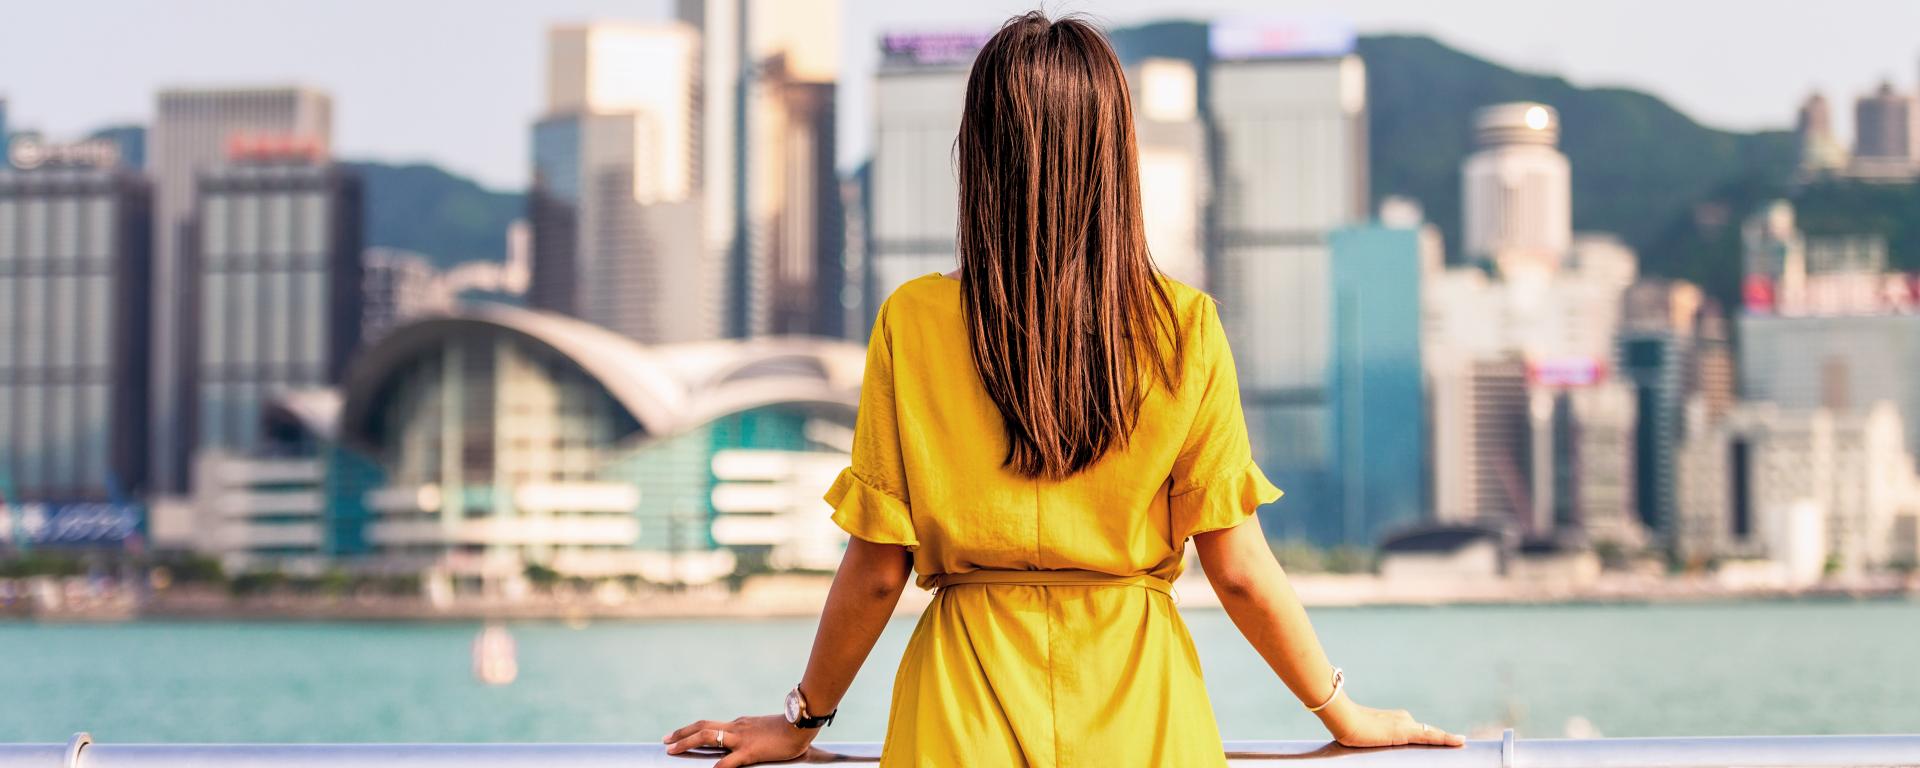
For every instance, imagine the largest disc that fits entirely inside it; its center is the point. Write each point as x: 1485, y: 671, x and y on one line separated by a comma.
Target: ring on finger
x: 719, y: 738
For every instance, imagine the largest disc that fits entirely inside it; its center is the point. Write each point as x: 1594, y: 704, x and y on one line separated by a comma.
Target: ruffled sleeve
x: 1215, y: 483
x: 870, y: 498
x: 869, y: 513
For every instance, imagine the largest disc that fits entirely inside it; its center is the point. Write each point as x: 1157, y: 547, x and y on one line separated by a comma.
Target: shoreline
x: 800, y: 596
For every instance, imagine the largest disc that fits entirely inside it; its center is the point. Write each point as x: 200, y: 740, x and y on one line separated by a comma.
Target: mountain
x: 1671, y: 187
x: 448, y: 218
x: 1641, y: 169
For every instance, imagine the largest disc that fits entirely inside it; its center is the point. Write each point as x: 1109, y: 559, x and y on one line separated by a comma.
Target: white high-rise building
x: 1174, y: 188
x: 1517, y: 190
x: 616, y: 209
x: 1743, y: 480
x: 1289, y: 111
x: 192, y: 132
x: 918, y: 95
x: 1839, y: 362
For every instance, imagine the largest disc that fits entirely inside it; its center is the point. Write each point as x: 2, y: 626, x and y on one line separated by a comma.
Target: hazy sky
x: 457, y: 82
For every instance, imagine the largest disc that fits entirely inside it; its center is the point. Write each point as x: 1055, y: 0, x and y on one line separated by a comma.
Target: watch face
x: 793, y: 705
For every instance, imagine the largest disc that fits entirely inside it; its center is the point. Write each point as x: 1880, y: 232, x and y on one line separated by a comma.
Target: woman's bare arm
x: 864, y: 593
x: 1257, y: 596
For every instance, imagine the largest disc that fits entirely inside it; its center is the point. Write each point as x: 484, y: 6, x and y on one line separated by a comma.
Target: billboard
x: 932, y: 48
x: 1267, y: 38
x: 72, y: 524
x: 1566, y: 373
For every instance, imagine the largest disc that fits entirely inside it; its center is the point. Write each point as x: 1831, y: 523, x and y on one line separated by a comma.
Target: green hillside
x: 449, y: 218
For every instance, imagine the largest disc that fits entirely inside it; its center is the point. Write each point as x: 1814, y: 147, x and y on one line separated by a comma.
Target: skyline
x: 411, y: 89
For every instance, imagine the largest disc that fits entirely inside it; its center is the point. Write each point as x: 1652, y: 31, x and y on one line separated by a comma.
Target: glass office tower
x: 276, y: 302
x: 74, y: 261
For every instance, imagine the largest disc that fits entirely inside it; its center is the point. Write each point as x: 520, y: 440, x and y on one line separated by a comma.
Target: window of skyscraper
x: 99, y: 329
x: 66, y: 228
x: 99, y: 227
x: 65, y: 312
x: 313, y: 225
x: 34, y: 222
x: 279, y: 228
x: 246, y: 234
x: 8, y: 228
x: 214, y: 236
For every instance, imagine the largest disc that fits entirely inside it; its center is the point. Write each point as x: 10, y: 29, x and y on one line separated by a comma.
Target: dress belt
x: 1065, y: 577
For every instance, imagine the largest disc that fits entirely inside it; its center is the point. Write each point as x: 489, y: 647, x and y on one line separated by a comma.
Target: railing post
x: 1507, y: 747
x: 75, y: 746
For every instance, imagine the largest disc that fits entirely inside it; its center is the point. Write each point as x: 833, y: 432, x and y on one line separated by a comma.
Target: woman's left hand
x: 748, y: 740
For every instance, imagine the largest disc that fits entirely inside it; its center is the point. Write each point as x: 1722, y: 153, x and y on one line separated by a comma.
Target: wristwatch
x: 798, y: 715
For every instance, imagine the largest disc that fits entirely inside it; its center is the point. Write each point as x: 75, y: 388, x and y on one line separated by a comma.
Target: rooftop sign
x: 1566, y: 373
x: 272, y: 147
x: 1265, y: 38
x: 933, y: 48
x: 29, y: 152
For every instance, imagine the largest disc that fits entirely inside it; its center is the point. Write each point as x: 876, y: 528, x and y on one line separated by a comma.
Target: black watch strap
x: 809, y: 723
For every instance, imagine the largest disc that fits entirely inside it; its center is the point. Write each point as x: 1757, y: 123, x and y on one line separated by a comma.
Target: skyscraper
x: 1375, y: 389
x: 1886, y: 130
x: 913, y: 196
x: 1174, y: 189
x: 615, y: 206
x: 1746, y: 478
x: 1517, y: 190
x: 1820, y: 150
x: 798, y: 226
x: 275, y: 281
x: 1675, y: 354
x: 767, y: 176
x: 74, y: 311
x: 1288, y: 105
x: 190, y: 133
x: 1843, y: 363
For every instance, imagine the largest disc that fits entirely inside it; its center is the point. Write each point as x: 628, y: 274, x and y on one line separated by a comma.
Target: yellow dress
x: 1062, y: 674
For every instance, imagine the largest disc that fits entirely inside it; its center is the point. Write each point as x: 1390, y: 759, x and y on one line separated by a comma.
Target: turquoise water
x: 1747, y: 668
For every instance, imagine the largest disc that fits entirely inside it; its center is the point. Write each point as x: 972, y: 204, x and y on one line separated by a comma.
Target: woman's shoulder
x: 932, y: 294
x: 1193, y: 309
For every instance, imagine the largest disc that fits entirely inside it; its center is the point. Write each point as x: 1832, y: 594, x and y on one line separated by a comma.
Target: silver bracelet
x: 1339, y: 682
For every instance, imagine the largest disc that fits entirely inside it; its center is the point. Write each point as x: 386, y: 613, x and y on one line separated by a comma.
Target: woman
x: 1039, y: 435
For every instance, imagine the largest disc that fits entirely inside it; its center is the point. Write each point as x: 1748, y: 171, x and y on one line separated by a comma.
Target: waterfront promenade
x: 77, y: 598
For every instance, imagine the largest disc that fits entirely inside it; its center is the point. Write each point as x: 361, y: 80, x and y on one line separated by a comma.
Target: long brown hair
x: 1065, y: 310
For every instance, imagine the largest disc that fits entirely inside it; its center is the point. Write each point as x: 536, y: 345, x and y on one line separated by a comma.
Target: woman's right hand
x: 1356, y: 726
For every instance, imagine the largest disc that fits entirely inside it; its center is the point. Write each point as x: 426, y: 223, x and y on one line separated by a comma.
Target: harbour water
x: 1629, y: 670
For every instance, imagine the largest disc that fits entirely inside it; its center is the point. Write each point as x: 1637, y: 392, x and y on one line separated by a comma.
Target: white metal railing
x: 1508, y: 752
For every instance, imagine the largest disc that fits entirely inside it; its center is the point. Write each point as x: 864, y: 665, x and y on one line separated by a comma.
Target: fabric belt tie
x: 1069, y: 577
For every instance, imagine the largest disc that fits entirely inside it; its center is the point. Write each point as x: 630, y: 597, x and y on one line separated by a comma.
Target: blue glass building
x: 1376, y: 403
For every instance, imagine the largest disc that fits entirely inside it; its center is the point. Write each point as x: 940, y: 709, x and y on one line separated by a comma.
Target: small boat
x: 494, y: 655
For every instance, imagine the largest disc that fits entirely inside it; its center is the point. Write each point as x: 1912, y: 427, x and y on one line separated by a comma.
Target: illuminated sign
x: 75, y: 523
x: 1566, y: 372
x: 31, y: 152
x: 272, y: 147
x: 934, y: 48
x: 1305, y: 38
x: 1756, y: 292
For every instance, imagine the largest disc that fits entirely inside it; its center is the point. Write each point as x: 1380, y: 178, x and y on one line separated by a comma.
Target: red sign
x: 1757, y: 295
x: 272, y: 147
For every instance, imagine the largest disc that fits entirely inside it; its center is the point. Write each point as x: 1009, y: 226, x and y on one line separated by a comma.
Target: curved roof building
x: 508, y: 437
